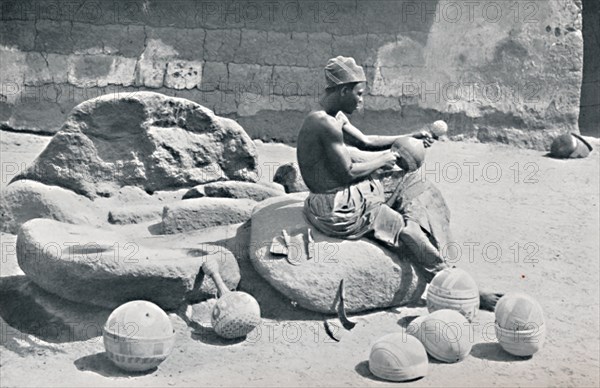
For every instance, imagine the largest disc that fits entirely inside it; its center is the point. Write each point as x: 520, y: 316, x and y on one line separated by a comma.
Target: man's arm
x: 339, y: 159
x: 354, y: 137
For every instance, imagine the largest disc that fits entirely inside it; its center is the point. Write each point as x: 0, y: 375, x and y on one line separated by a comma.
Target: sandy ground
x: 524, y: 222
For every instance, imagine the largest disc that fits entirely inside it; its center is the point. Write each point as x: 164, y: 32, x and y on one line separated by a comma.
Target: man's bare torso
x: 318, y: 172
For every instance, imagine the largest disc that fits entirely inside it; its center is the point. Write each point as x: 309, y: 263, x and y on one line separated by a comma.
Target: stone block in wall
x: 320, y: 44
x: 6, y: 111
x: 252, y: 47
x: 378, y: 103
x: 130, y: 43
x: 152, y: 65
x: 122, y: 72
x: 271, y: 125
x: 12, y: 63
x: 298, y: 103
x: 127, y: 41
x: 84, y: 70
x: 287, y: 49
x: 37, y: 115
x: 250, y: 78
x: 221, y: 102
x: 374, y: 42
x: 398, y: 16
x: 354, y: 46
x: 212, y: 14
x: 156, y: 50
x: 370, y: 73
x: 51, y: 68
x: 53, y: 37
x: 17, y: 34
x: 214, y: 76
x: 150, y: 73
x: 302, y: 81
x: 101, y: 70
x: 250, y: 103
x: 187, y: 42
x: 221, y: 45
x: 337, y: 17
x: 183, y: 74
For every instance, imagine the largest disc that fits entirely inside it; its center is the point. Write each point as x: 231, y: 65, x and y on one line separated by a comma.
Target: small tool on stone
x: 348, y: 324
x: 278, y: 246
x: 296, y: 248
x: 310, y: 244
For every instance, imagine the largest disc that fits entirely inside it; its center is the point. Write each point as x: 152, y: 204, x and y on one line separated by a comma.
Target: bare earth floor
x: 524, y: 222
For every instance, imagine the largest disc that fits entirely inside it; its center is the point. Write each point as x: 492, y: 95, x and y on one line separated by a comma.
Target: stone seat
x: 374, y: 277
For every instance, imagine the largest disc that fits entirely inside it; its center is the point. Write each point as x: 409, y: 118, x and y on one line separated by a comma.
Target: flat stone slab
x: 235, y: 189
x: 200, y: 213
x: 135, y: 214
x: 102, y: 267
x: 374, y: 277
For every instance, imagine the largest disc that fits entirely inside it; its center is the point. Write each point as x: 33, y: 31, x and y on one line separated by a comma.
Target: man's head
x: 346, y: 81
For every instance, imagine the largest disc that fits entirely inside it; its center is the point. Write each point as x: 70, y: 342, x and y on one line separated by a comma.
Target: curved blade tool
x: 348, y: 324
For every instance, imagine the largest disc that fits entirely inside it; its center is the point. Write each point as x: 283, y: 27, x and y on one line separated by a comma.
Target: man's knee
x: 388, y: 225
x: 413, y: 236
x: 415, y: 239
x: 411, y: 230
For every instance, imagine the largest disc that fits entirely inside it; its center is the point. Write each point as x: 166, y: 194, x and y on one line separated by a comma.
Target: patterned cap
x: 343, y: 70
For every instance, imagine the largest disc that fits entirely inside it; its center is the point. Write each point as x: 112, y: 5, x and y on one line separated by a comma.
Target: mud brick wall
x: 507, y: 71
x: 589, y: 115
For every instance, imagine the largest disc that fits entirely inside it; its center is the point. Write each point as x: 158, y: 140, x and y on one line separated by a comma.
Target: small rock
x: 195, y: 192
x: 288, y: 175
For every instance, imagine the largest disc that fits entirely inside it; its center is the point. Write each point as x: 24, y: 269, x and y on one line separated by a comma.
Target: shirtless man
x: 345, y: 201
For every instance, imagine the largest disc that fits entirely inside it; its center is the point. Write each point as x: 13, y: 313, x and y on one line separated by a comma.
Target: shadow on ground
x: 28, y: 311
x: 99, y: 363
x: 492, y: 351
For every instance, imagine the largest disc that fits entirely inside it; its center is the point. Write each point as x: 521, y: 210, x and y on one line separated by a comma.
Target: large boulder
x: 104, y: 267
x: 200, y: 213
x: 143, y: 139
x: 374, y: 277
x: 232, y: 189
x: 25, y: 200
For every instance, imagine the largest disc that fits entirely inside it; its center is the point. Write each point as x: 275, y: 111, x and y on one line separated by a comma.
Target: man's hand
x: 428, y: 140
x: 388, y: 159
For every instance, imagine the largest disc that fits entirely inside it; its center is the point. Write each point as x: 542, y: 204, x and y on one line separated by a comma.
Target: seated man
x: 345, y: 200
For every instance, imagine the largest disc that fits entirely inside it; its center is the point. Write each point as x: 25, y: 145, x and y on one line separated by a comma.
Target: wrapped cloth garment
x: 347, y: 213
x: 360, y: 210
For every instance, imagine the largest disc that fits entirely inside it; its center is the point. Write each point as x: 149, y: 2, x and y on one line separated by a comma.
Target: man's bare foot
x: 488, y: 300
